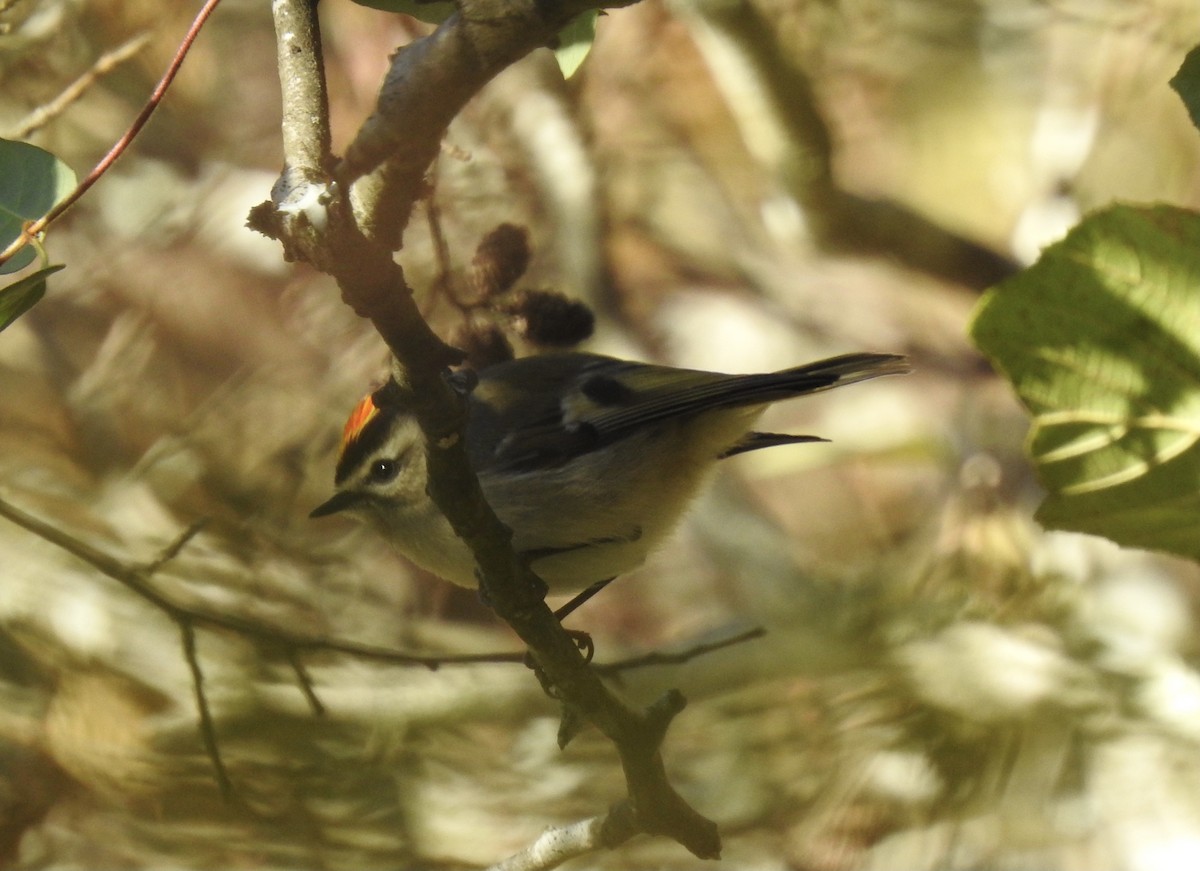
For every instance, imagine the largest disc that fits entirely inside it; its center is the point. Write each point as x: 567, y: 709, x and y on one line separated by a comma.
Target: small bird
x: 589, y: 460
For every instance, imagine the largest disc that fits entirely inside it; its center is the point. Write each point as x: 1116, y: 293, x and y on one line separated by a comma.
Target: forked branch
x: 430, y: 80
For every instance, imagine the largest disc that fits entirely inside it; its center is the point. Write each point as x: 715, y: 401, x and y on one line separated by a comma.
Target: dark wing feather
x: 516, y: 415
x: 543, y: 411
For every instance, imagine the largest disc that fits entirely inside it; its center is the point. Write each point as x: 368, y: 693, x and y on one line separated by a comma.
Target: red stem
x: 36, y: 227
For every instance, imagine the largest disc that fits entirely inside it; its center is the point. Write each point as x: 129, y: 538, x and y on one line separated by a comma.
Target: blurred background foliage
x: 731, y: 184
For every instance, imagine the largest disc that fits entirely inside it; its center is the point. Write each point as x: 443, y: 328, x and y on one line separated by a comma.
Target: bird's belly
x: 583, y: 522
x: 574, y: 568
x: 575, y: 538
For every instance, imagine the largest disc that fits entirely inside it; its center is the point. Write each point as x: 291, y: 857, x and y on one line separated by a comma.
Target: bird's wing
x: 544, y: 411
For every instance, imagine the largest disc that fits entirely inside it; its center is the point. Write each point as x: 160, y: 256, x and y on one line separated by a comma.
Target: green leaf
x: 1101, y: 339
x: 1186, y: 83
x: 20, y: 296
x: 32, y: 181
x: 429, y: 12
x: 575, y: 41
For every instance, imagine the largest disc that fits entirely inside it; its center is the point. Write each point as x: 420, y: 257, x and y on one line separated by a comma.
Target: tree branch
x: 429, y: 82
x: 137, y: 579
x: 305, y: 123
x: 653, y: 805
x: 562, y: 843
x: 208, y: 731
x: 658, y: 657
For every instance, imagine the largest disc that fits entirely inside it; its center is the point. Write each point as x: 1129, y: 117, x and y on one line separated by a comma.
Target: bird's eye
x: 383, y: 471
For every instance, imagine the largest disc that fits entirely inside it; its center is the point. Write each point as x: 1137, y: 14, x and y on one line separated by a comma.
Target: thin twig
x: 174, y: 548
x: 35, y: 228
x: 304, y: 681
x: 680, y: 656
x: 187, y: 619
x: 106, y: 63
x: 208, y: 730
x: 443, y: 281
x: 136, y: 579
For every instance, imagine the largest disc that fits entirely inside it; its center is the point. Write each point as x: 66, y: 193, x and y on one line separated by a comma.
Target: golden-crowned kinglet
x: 588, y: 459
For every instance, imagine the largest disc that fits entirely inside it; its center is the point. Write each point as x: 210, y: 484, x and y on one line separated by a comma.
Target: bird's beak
x: 338, y: 502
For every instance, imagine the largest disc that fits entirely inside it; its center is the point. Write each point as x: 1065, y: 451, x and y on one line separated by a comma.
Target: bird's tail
x: 846, y: 369
x: 809, y: 378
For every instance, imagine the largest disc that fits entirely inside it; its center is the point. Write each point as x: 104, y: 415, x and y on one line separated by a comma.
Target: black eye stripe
x: 369, y: 440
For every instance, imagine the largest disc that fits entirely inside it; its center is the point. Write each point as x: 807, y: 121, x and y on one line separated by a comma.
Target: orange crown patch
x: 359, y: 418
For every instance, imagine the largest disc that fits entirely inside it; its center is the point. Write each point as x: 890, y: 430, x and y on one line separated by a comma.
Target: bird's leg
x: 568, y: 609
x: 583, y: 640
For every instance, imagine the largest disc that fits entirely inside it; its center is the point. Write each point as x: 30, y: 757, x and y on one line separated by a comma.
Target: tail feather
x: 708, y: 392
x: 846, y: 369
x: 809, y: 378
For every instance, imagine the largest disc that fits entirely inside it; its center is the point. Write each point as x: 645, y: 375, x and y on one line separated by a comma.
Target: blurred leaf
x: 574, y: 43
x: 20, y: 296
x: 431, y: 13
x: 1186, y: 83
x: 32, y: 181
x: 1101, y: 339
